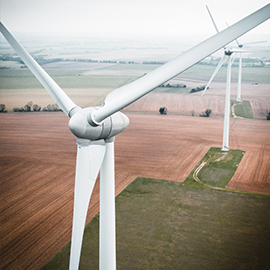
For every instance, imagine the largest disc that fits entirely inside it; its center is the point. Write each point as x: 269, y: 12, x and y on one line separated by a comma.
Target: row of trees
x: 247, y: 62
x: 177, y: 85
x: 36, y: 108
x: 28, y: 107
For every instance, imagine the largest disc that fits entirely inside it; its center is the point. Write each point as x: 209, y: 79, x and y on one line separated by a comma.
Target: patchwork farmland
x: 38, y: 152
x: 38, y: 168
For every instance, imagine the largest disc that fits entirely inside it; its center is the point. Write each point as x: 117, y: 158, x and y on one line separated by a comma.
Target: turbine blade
x: 123, y: 96
x: 233, y: 58
x: 238, y: 44
x: 212, y: 19
x: 89, y: 161
x: 59, y: 96
x: 221, y: 62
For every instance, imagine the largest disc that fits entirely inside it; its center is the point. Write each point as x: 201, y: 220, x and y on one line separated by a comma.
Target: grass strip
x: 215, y: 169
x: 241, y: 109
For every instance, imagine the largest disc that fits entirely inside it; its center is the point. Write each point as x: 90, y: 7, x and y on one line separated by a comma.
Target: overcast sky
x: 126, y: 17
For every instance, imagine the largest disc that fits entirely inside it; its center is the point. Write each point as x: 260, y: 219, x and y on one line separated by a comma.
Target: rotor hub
x: 79, y: 125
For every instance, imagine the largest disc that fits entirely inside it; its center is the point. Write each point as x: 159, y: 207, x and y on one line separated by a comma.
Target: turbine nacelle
x: 228, y: 51
x: 79, y: 125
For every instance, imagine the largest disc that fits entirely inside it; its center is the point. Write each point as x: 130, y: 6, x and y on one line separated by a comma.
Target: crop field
x: 38, y: 167
x: 89, y: 88
x: 169, y: 225
x: 214, y: 99
x: 38, y: 151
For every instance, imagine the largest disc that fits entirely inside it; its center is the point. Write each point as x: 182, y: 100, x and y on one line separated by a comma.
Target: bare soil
x: 214, y: 99
x: 38, y: 155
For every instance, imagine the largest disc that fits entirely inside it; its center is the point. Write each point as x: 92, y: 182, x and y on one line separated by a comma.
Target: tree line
x: 30, y: 107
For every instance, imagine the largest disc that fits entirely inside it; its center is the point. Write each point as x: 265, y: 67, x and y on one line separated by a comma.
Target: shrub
x: 163, y: 110
x: 268, y: 115
x: 51, y: 108
x: 206, y: 113
x: 3, y: 108
x: 36, y: 108
x: 17, y: 109
x: 197, y: 89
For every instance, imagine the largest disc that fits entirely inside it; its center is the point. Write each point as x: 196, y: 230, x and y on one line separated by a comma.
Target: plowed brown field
x: 214, y: 99
x: 38, y: 166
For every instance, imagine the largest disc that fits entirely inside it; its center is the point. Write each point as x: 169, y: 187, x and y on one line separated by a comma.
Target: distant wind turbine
x: 227, y: 57
x: 96, y: 128
x: 240, y: 51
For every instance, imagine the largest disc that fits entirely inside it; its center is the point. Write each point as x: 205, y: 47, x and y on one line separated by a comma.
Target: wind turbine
x: 241, y: 50
x: 95, y: 130
x: 227, y: 57
x: 227, y: 111
x: 230, y: 51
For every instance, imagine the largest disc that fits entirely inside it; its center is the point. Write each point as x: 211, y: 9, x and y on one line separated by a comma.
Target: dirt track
x: 38, y: 167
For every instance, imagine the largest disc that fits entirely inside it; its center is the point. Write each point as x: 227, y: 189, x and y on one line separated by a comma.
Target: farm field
x: 38, y: 151
x: 38, y: 167
x: 89, y: 87
x: 214, y: 99
x: 171, y: 225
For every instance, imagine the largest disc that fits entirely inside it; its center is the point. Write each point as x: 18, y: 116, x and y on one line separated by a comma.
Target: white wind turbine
x: 95, y: 129
x: 240, y: 51
x: 230, y: 51
x: 227, y: 57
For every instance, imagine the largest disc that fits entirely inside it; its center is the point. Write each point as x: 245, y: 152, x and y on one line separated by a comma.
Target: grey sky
x: 126, y: 17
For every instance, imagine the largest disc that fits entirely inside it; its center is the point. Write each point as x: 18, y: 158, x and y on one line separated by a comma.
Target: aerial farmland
x: 38, y: 150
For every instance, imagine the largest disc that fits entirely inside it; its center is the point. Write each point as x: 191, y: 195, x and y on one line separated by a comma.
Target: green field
x: 170, y: 225
x: 218, y: 169
x: 242, y: 109
x: 23, y: 79
x: 114, y: 76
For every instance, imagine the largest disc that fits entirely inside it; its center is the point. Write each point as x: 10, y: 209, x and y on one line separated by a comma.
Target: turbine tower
x: 227, y: 110
x: 96, y: 128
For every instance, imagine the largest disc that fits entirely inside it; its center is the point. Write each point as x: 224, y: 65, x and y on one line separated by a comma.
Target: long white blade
x: 59, y: 96
x: 129, y: 93
x: 233, y: 58
x: 212, y: 19
x: 221, y: 62
x: 89, y: 161
x: 238, y: 44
